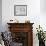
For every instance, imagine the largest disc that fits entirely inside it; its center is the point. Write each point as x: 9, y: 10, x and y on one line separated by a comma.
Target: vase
x: 41, y: 43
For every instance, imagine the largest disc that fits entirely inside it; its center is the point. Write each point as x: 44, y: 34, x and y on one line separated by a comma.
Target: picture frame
x: 20, y: 10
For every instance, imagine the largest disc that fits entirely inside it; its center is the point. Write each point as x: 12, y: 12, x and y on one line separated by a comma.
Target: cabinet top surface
x: 19, y: 23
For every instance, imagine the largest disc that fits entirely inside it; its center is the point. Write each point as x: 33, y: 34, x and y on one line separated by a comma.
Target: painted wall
x: 0, y: 15
x: 43, y: 6
x: 33, y: 10
x: 43, y: 14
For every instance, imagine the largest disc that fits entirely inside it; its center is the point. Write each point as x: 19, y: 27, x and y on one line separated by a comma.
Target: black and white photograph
x: 20, y: 10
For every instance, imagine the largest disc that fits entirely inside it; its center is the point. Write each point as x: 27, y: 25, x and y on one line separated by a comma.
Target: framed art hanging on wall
x: 20, y: 10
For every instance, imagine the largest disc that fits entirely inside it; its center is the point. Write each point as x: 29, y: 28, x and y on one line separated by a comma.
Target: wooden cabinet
x: 22, y: 33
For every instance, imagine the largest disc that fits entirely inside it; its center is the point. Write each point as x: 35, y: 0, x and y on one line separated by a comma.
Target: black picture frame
x: 20, y: 10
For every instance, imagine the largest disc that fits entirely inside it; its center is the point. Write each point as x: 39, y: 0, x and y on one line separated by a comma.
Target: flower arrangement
x: 40, y: 34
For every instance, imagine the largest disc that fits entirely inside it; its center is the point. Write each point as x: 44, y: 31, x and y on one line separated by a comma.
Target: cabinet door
x: 20, y: 37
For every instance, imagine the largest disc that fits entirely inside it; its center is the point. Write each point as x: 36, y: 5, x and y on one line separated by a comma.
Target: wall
x: 33, y: 10
x: 0, y: 15
x: 43, y: 6
x: 43, y: 14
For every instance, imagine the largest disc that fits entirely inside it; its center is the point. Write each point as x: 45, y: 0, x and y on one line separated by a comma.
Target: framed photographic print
x: 20, y: 10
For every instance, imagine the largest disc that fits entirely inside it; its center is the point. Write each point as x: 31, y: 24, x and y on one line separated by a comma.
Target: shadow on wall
x: 43, y: 6
x: 0, y: 15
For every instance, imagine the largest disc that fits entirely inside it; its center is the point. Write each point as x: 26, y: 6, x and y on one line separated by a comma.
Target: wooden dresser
x: 22, y: 33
